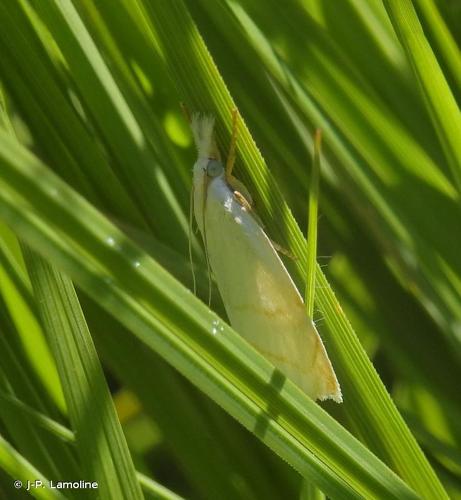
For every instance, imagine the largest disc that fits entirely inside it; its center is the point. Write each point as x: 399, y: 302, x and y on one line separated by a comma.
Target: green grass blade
x: 439, y: 99
x: 312, y: 226
x: 155, y: 490
x: 101, y: 444
x: 19, y: 380
x: 16, y: 293
x: 308, y: 490
x: 445, y: 42
x: 38, y: 418
x: 21, y: 470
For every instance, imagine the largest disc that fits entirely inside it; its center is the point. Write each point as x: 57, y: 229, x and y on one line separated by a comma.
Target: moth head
x: 214, y: 168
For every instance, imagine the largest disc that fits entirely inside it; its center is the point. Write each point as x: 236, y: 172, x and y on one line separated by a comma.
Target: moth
x: 260, y: 298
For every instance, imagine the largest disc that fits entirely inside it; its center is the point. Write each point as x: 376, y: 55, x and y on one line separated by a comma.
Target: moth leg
x: 240, y: 191
x: 186, y: 112
x: 241, y: 200
x: 283, y: 251
x: 233, y: 145
x: 246, y: 205
x: 238, y: 186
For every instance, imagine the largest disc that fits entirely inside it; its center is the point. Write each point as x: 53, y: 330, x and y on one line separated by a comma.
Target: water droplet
x: 136, y: 264
x: 110, y: 241
x: 216, y: 325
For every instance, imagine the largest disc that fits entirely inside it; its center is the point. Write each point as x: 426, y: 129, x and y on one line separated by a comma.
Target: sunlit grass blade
x: 155, y: 490
x: 308, y: 490
x: 19, y: 380
x: 439, y: 99
x: 23, y: 471
x: 445, y: 42
x: 312, y: 226
x: 101, y: 444
x: 16, y: 293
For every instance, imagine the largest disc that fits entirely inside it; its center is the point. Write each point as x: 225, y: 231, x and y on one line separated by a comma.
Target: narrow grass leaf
x: 19, y: 380
x: 445, y: 42
x: 439, y: 99
x: 101, y: 444
x: 312, y: 226
x: 22, y: 470
x: 38, y: 418
x: 308, y: 490
x: 155, y: 490
x: 16, y: 293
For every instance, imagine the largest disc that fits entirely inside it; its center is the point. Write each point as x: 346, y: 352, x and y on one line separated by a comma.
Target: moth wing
x: 262, y: 302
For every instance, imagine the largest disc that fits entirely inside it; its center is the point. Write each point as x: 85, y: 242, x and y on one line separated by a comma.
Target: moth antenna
x: 191, y: 259
x: 205, y: 242
x: 186, y: 112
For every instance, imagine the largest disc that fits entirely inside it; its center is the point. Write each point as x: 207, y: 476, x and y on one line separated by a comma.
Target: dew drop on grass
x: 136, y: 264
x: 216, y: 327
x: 110, y: 241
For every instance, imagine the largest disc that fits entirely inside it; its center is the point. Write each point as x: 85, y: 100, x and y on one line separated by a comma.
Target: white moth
x: 261, y: 300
